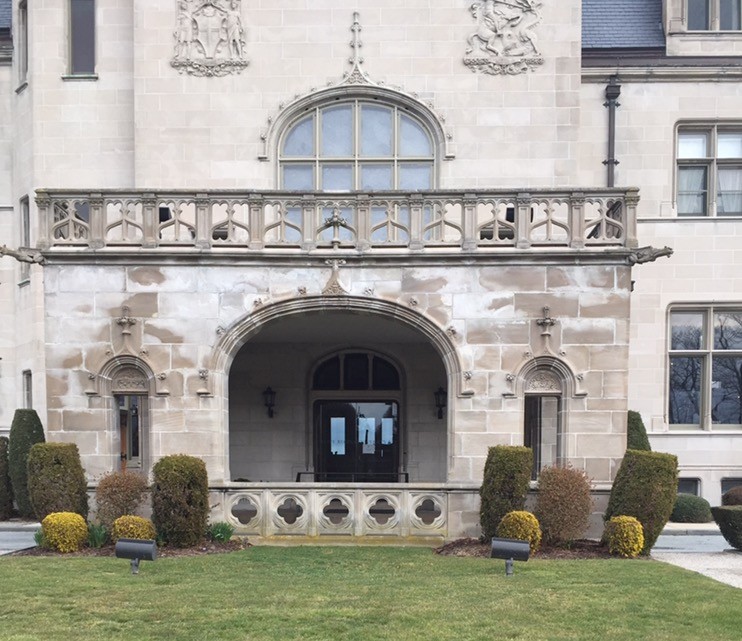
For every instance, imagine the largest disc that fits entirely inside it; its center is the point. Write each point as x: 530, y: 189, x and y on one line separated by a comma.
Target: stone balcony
x: 289, y: 223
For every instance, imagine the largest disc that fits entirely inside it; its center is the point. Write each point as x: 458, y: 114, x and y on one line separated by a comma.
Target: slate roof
x: 5, y: 11
x: 622, y: 24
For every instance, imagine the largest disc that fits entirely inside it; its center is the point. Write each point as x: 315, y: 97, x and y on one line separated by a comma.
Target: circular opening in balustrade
x: 290, y: 511
x: 244, y: 511
x: 336, y: 511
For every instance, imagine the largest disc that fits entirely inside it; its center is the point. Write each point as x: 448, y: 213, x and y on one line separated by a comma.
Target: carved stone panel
x: 543, y: 382
x: 504, y: 41
x: 128, y: 380
x: 209, y: 38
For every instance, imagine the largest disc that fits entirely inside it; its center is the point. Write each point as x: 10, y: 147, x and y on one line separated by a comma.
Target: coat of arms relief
x: 505, y: 39
x: 209, y: 38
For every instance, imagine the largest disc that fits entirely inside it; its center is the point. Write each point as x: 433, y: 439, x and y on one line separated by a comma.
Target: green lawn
x: 358, y: 594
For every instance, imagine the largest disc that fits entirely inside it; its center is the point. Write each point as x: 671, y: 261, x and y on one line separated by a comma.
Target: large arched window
x: 357, y: 145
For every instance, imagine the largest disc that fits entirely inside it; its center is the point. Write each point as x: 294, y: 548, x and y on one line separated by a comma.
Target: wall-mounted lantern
x: 269, y: 398
x: 440, y: 401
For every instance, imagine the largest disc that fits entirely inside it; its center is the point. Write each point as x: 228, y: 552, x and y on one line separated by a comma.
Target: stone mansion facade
x: 337, y: 250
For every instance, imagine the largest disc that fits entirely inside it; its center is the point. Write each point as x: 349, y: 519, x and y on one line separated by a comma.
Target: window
x: 705, y: 368
x: 132, y: 414
x: 728, y: 483
x: 22, y: 42
x: 689, y: 486
x: 356, y: 145
x: 709, y: 179
x: 27, y: 389
x: 82, y: 37
x: 713, y: 15
x: 542, y: 430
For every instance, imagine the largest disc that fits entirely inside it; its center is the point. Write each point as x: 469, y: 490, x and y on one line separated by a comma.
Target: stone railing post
x: 577, y: 220
x: 44, y: 207
x: 96, y: 222
x: 416, y: 222
x: 363, y: 222
x: 630, y: 211
x: 469, y: 205
x: 203, y: 221
x: 257, y: 221
x: 151, y: 217
x: 309, y: 222
x: 523, y: 221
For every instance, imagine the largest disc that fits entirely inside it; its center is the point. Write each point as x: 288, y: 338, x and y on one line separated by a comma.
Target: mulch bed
x: 582, y: 549
x: 206, y: 547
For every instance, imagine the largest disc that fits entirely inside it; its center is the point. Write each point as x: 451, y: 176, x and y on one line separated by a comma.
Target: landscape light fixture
x: 269, y: 398
x: 136, y: 550
x: 440, y: 401
x: 510, y: 550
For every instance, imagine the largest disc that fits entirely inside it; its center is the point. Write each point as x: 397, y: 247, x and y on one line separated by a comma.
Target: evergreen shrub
x: 132, y: 527
x: 732, y: 496
x: 180, y: 499
x: 118, y: 494
x: 645, y: 488
x: 563, y: 505
x: 25, y: 431
x: 64, y: 531
x: 56, y: 480
x: 523, y: 526
x: 6, y: 490
x: 690, y: 508
x: 729, y: 520
x: 624, y: 536
x: 507, y: 475
x: 636, y: 433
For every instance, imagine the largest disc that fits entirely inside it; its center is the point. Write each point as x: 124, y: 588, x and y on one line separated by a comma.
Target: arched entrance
x: 362, y: 379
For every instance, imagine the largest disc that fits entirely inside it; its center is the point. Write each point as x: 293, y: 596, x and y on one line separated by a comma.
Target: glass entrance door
x: 357, y: 441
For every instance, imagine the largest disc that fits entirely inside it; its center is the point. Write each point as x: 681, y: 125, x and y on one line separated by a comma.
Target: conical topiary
x: 636, y: 433
x: 25, y: 432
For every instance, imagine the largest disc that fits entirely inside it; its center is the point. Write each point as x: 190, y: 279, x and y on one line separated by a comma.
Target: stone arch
x: 236, y: 335
x: 547, y: 374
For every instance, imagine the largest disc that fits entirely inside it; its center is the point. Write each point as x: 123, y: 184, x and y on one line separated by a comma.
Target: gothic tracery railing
x: 395, y: 221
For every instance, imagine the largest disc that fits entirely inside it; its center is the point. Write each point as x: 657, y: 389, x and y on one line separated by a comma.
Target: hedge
x: 56, y: 480
x: 729, y: 520
x: 645, y: 488
x: 636, y: 433
x: 25, y: 432
x: 690, y: 508
x: 507, y: 476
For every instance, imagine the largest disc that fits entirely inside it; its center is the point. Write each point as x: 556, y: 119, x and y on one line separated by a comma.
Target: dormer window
x: 714, y: 15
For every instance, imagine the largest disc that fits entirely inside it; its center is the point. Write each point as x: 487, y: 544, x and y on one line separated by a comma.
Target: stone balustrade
x: 307, y: 509
x: 290, y: 222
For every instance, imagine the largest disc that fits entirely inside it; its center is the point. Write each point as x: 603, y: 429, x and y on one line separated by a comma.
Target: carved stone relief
x: 209, y: 38
x: 504, y: 42
x: 543, y: 382
x: 129, y: 379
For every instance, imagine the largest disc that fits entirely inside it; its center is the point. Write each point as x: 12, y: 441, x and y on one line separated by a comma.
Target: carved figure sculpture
x: 23, y: 255
x: 235, y: 33
x: 505, y: 40
x: 184, y: 30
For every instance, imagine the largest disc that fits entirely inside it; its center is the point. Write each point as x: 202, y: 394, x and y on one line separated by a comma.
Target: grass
x: 359, y: 594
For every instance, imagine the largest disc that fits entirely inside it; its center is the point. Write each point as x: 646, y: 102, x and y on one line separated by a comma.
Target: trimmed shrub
x: 521, y: 525
x: 625, y: 536
x: 6, y: 490
x: 636, y: 433
x: 729, y: 520
x: 180, y: 499
x: 733, y: 496
x: 64, y: 531
x: 221, y: 531
x: 690, y: 508
x: 563, y: 505
x: 118, y: 494
x: 56, y: 480
x: 25, y: 431
x: 132, y: 527
x: 645, y: 488
x: 507, y: 475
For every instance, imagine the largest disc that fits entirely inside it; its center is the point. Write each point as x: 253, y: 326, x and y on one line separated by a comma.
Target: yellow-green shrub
x: 132, y: 527
x: 625, y: 536
x: 521, y: 525
x: 64, y: 531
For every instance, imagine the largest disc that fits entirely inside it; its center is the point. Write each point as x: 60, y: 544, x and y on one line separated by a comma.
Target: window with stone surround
x: 27, y: 378
x: 82, y: 37
x: 709, y: 169
x: 705, y: 368
x: 542, y: 419
x: 357, y: 145
x: 25, y: 239
x: 713, y: 15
